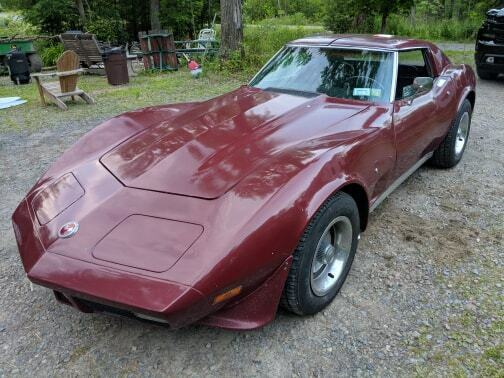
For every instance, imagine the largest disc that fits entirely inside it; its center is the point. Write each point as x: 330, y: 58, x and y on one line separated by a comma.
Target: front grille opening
x: 114, y: 311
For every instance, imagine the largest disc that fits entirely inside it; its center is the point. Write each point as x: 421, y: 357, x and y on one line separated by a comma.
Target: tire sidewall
x: 342, y: 206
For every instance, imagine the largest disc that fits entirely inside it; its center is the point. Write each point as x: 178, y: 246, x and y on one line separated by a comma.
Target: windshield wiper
x: 294, y: 92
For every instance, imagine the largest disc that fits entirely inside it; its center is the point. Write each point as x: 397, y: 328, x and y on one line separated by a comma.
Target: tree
x: 231, y: 27
x: 385, y: 7
x: 53, y: 16
x: 154, y: 15
x: 186, y: 17
x: 358, y: 16
x: 82, y: 13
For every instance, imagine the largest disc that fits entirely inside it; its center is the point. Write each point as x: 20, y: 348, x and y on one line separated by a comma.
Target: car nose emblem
x: 68, y: 230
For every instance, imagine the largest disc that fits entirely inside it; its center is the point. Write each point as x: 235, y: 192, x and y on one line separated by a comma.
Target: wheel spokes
x: 331, y: 256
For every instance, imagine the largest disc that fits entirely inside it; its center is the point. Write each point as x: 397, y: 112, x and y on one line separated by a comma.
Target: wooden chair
x: 68, y: 73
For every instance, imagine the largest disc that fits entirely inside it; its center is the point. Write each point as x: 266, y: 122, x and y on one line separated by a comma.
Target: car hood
x: 207, y: 150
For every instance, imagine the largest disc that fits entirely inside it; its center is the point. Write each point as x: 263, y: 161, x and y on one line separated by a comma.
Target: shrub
x: 432, y: 29
x: 260, y: 43
x: 107, y: 29
x: 12, y: 24
x: 255, y: 10
x: 49, y: 51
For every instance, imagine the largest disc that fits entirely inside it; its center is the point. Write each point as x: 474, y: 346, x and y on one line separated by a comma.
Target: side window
x: 412, y: 64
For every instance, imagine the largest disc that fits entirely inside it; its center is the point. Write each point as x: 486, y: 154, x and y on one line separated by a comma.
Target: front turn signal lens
x: 227, y: 295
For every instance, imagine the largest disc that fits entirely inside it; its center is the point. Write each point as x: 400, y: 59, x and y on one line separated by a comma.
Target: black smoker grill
x: 19, y: 69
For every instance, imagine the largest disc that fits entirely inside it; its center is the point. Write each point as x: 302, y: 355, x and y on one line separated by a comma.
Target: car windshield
x: 342, y: 73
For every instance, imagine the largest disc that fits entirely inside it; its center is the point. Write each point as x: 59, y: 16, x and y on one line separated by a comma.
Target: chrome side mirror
x: 423, y: 84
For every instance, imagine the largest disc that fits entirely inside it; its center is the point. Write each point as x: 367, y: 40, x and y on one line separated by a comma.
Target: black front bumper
x: 485, y: 50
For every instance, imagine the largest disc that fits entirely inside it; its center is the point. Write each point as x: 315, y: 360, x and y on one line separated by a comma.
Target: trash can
x: 116, y: 66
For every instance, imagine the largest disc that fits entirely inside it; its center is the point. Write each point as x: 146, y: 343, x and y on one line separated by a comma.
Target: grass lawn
x: 143, y: 90
x: 459, y: 57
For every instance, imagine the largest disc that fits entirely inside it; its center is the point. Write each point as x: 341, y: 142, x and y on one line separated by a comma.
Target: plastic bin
x: 116, y: 66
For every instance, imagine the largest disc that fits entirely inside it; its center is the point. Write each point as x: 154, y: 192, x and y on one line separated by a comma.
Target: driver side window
x: 412, y: 64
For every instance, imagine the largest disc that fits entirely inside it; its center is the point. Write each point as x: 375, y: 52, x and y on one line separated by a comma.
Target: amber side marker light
x: 227, y: 295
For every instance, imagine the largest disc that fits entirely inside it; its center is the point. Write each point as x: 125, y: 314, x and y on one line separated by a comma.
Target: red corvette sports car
x: 215, y: 212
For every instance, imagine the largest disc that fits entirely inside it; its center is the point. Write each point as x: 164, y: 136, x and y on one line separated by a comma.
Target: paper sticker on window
x: 367, y: 92
x: 362, y: 92
x: 376, y: 92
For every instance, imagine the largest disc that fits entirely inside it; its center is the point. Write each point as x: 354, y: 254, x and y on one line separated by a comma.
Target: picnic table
x: 197, y: 46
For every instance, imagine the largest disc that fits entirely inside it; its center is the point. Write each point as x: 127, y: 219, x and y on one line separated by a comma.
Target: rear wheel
x: 35, y: 63
x: 323, y: 257
x: 450, y: 151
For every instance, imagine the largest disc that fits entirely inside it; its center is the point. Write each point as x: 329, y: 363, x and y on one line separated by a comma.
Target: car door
x: 415, y: 116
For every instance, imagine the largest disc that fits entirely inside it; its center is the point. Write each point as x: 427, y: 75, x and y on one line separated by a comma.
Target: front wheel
x: 323, y: 257
x: 450, y: 151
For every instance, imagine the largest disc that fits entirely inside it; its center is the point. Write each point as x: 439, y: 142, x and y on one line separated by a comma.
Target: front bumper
x: 77, y: 282
x: 484, y: 51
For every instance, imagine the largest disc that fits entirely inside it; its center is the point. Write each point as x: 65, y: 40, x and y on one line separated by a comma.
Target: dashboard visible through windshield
x: 341, y: 73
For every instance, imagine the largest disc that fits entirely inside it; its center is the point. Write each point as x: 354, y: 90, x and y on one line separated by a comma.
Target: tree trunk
x: 360, y: 23
x: 154, y: 15
x: 231, y: 27
x: 452, y: 8
x: 82, y: 13
x: 384, y: 18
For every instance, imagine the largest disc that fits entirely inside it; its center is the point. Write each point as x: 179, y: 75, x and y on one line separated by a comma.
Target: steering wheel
x: 343, y: 64
x: 380, y: 85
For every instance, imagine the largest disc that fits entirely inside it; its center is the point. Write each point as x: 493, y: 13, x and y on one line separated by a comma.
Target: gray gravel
x: 425, y: 295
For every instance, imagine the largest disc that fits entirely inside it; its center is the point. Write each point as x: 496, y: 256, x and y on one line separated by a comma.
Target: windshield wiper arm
x: 295, y: 92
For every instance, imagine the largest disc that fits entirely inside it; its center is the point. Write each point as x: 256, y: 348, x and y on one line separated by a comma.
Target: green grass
x: 144, y: 90
x: 459, y: 57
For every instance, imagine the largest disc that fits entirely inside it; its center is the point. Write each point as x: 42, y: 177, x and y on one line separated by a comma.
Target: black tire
x: 446, y: 155
x: 298, y: 296
x: 35, y: 63
x: 484, y: 75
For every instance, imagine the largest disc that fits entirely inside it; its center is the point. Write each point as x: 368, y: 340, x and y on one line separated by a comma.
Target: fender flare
x: 352, y: 186
x: 465, y: 94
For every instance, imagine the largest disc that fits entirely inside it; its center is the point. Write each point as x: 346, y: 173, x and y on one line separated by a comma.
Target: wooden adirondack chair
x: 68, y: 73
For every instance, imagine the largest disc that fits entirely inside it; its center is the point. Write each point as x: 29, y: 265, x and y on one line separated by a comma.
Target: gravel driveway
x: 425, y: 295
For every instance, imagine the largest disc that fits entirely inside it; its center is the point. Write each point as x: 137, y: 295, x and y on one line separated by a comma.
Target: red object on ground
x: 193, y: 65
x: 177, y: 204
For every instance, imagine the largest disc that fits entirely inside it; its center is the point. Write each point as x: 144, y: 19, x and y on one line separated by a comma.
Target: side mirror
x: 420, y: 85
x: 423, y: 84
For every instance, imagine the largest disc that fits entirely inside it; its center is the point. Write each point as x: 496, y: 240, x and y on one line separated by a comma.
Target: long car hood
x: 207, y: 150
